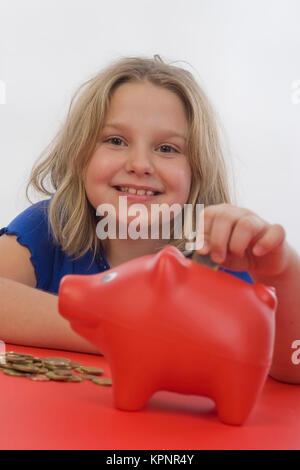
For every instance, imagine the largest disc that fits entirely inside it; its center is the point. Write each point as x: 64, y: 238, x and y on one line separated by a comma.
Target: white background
x: 245, y: 54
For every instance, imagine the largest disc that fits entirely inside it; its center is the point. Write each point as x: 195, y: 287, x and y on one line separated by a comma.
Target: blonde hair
x: 71, y: 216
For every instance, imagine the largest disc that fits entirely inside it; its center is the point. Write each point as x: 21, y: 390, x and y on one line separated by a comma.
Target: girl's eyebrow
x: 169, y: 132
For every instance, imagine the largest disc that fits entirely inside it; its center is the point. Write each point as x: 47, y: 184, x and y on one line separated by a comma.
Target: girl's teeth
x: 132, y: 191
x: 139, y: 192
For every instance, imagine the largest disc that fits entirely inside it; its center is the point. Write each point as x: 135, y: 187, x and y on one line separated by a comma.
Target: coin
x: 39, y: 377
x: 205, y: 260
x: 26, y: 356
x: 75, y: 364
x: 57, y: 359
x: 49, y: 368
x: 87, y: 376
x: 16, y: 359
x: 75, y: 378
x: 63, y: 372
x: 101, y: 381
x: 25, y: 368
x: 15, y: 373
x: 90, y: 370
x: 43, y: 370
x: 56, y: 365
x: 51, y: 375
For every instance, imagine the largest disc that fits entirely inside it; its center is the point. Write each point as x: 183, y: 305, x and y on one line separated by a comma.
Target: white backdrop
x: 245, y: 53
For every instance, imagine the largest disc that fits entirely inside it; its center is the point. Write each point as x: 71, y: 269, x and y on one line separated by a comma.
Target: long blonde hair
x: 71, y: 216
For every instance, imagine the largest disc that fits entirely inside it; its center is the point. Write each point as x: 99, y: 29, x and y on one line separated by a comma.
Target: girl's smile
x: 138, y: 193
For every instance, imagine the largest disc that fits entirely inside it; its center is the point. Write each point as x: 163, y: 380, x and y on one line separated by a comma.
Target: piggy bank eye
x: 109, y: 277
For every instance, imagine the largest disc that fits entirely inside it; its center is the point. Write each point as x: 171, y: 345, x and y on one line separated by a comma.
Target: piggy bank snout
x: 71, y: 296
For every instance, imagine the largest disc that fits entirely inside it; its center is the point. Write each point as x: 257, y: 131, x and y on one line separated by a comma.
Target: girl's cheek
x: 100, y: 167
x: 183, y: 178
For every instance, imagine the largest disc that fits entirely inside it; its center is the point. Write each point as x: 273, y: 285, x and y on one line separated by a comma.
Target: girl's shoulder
x: 31, y: 224
x: 31, y: 220
x: 50, y: 262
x: 32, y: 231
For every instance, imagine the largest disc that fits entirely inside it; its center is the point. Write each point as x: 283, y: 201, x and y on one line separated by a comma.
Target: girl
x: 139, y: 125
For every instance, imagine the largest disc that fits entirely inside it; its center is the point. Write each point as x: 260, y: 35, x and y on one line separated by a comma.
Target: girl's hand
x: 240, y: 240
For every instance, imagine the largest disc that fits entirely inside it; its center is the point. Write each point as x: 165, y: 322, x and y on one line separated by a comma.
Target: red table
x: 60, y: 415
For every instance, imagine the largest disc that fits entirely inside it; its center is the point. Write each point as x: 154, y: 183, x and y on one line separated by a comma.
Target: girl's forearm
x: 287, y: 286
x: 30, y: 317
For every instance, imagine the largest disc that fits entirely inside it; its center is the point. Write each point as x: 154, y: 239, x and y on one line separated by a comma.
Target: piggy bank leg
x: 237, y: 390
x: 130, y: 398
x: 132, y: 385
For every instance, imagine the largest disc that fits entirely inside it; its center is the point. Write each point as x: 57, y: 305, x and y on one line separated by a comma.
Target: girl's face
x: 141, y: 146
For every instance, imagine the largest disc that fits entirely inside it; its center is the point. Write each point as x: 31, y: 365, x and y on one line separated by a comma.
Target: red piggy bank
x: 164, y: 322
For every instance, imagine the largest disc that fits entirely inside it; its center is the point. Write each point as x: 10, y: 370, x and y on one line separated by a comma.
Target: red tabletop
x: 61, y: 415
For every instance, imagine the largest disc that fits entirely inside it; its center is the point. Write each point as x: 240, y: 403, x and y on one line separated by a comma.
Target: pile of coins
x: 49, y: 368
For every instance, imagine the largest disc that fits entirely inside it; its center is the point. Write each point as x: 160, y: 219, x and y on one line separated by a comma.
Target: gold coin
x: 39, y: 377
x: 56, y: 365
x: 15, y: 373
x: 87, y: 376
x: 101, y: 381
x: 49, y: 368
x: 75, y: 364
x: 42, y: 370
x: 54, y: 359
x: 64, y: 372
x: 74, y: 378
x: 51, y: 375
x: 16, y: 359
x: 25, y: 368
x: 90, y: 370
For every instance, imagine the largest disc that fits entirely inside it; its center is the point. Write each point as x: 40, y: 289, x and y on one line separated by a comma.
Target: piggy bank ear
x: 170, y: 264
x: 267, y: 294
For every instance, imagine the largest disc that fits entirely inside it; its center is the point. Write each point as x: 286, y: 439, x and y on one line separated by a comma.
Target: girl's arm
x: 287, y: 284
x: 29, y: 316
x: 239, y: 239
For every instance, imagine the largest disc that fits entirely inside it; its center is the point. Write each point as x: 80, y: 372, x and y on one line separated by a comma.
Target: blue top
x: 49, y: 261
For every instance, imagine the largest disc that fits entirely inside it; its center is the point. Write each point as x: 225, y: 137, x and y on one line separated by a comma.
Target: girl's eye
x: 170, y: 147
x: 164, y: 145
x: 112, y: 138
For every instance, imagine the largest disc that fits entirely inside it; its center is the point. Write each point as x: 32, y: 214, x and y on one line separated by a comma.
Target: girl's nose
x: 139, y: 161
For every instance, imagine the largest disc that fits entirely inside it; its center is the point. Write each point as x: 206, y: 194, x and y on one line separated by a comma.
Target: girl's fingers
x: 273, y: 237
x: 248, y: 228
x: 219, y: 221
x: 229, y: 231
x: 221, y: 229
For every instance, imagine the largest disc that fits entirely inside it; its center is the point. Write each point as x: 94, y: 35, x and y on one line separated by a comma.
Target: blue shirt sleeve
x: 32, y: 231
x: 50, y: 262
x: 244, y: 275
